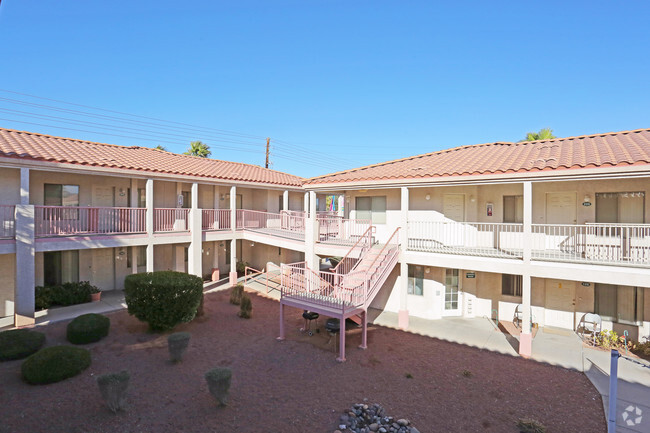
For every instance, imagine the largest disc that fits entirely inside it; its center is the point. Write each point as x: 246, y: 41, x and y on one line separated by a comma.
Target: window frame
x: 377, y: 210
x: 512, y: 285
x: 415, y: 280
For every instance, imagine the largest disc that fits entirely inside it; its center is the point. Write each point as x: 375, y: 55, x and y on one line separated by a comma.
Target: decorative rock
x: 365, y: 418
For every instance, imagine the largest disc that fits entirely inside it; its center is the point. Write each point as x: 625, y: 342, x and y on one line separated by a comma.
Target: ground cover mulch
x: 295, y: 385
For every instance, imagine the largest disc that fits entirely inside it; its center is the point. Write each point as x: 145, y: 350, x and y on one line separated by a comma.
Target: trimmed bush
x: 219, y: 383
x: 20, y: 343
x: 177, y: 344
x: 163, y: 299
x: 245, y: 307
x: 64, y: 294
x: 54, y: 364
x: 113, y: 387
x: 88, y: 328
x: 42, y: 297
x: 236, y: 294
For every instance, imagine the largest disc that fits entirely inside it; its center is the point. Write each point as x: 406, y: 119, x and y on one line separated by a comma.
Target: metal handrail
x: 370, y: 229
x: 384, y: 247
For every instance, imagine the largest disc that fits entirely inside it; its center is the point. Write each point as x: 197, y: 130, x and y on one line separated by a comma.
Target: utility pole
x: 268, y: 140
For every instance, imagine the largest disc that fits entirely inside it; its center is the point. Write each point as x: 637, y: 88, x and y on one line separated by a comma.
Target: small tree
x: 113, y: 387
x: 245, y: 307
x: 219, y: 383
x: 543, y: 134
x: 198, y: 148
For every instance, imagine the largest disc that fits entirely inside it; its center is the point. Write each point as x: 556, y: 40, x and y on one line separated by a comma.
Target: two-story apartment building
x: 546, y: 230
x: 550, y: 229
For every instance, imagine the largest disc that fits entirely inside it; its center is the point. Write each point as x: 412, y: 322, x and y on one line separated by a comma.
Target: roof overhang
x: 615, y: 172
x: 34, y: 164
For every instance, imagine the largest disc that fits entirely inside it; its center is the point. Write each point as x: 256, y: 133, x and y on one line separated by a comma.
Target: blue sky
x: 335, y: 84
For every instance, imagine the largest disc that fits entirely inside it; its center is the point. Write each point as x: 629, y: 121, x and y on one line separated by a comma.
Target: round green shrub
x: 88, y: 328
x: 163, y: 299
x: 54, y: 364
x: 20, y: 343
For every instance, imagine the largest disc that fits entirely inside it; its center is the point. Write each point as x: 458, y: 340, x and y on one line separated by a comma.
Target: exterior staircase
x: 347, y: 290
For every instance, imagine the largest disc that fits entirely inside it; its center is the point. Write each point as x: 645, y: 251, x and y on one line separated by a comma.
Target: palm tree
x: 198, y: 148
x: 543, y: 134
x: 161, y: 147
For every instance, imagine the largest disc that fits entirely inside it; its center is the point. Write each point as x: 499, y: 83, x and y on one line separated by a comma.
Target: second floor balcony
x: 627, y: 244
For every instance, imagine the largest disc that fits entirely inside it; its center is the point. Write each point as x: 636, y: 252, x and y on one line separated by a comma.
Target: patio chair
x: 519, y: 316
x: 590, y: 324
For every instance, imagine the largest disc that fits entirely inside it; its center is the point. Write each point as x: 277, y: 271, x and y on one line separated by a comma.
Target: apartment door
x: 101, y: 220
x: 453, y: 207
x: 611, y: 242
x: 560, y: 304
x: 561, y: 208
x: 452, y: 302
x: 103, y: 271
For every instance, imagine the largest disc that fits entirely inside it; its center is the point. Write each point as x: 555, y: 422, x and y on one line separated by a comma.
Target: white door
x: 452, y: 302
x: 561, y: 208
x: 103, y: 272
x: 453, y: 206
x: 560, y: 304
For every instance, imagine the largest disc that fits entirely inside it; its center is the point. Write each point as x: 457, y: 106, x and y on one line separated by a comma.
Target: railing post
x: 150, y: 223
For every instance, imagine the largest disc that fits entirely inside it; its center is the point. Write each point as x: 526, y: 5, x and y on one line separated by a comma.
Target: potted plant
x: 95, y: 294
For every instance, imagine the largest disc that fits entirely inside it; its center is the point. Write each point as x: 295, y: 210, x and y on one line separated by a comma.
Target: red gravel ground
x: 295, y: 385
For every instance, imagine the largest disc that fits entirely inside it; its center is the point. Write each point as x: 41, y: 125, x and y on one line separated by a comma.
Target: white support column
x: 311, y: 234
x: 150, y: 223
x: 24, y: 186
x: 25, y: 268
x: 305, y: 204
x: 285, y: 200
x: 195, y: 256
x: 526, y: 338
x: 403, y: 314
x: 233, y: 243
x: 133, y: 197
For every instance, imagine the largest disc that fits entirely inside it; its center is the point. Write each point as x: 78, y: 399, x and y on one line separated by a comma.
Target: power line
x: 164, y: 133
x: 222, y: 131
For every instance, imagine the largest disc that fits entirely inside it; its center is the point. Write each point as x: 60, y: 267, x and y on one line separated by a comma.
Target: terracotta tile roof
x: 33, y: 146
x: 588, y: 151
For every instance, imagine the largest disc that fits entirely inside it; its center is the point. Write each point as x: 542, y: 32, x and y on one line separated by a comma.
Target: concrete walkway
x: 553, y: 346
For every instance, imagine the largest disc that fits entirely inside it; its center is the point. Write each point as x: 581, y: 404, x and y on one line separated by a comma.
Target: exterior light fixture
x: 427, y: 197
x: 472, y: 198
x: 586, y: 199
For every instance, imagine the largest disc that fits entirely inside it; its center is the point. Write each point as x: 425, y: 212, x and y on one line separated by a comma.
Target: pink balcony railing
x: 311, y: 288
x: 71, y: 220
x: 282, y: 224
x: 482, y: 239
x: 7, y: 221
x: 216, y: 219
x: 171, y: 220
x: 594, y: 243
x: 339, y: 231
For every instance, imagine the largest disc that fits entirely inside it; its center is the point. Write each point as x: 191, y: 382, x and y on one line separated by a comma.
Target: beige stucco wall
x: 87, y: 183
x: 10, y: 191
x: 7, y: 284
x: 383, y: 231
